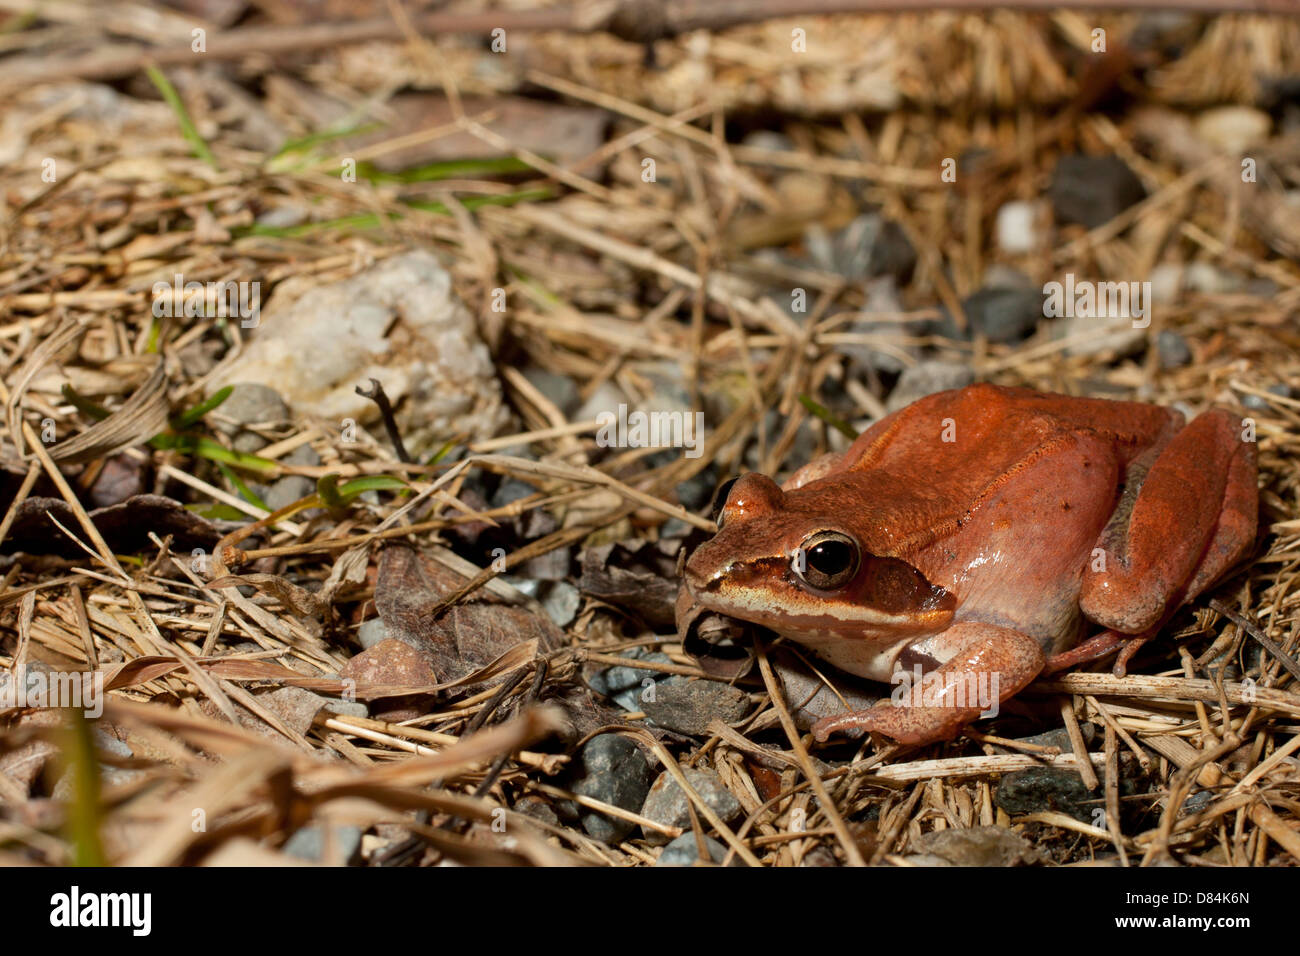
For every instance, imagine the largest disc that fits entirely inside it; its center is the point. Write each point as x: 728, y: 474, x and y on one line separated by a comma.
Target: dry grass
x: 605, y: 273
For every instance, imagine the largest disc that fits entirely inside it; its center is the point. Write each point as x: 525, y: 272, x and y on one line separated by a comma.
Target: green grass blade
x: 190, y: 417
x: 826, y: 415
x: 188, y: 129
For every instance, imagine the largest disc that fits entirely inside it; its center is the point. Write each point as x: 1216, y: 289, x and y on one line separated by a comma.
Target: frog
x: 974, y: 538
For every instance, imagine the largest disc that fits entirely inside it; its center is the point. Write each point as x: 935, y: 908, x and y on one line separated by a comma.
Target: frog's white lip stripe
x: 751, y: 605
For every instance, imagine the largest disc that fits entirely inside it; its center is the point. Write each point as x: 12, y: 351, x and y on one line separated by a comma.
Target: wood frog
x: 973, y: 536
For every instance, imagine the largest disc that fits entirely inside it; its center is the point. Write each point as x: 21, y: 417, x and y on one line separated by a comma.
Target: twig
x: 1266, y: 642
x: 380, y: 398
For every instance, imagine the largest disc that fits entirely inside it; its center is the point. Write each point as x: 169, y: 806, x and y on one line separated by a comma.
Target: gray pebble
x: 1004, y: 315
x: 1261, y: 404
x: 685, y: 851
x: 613, y: 770
x: 1172, y: 349
x: 561, y: 602
x: 667, y: 802
x: 249, y: 403
x: 308, y: 843
x: 1092, y: 190
x: 689, y: 708
x: 559, y: 389
x: 624, y: 684
x: 371, y: 632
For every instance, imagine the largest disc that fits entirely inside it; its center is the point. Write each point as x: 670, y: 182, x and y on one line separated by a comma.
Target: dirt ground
x: 312, y: 330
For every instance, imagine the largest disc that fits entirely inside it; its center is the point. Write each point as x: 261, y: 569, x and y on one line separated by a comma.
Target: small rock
x: 1060, y: 738
x: 296, y: 706
x: 1092, y: 190
x: 1019, y: 227
x: 1046, y: 788
x: 1172, y: 349
x: 606, y: 398
x: 510, y: 491
x: 249, y: 403
x: 561, y: 602
x: 200, y: 357
x: 1168, y: 32
x: 560, y: 390
x: 109, y: 775
x: 346, y: 708
x: 285, y: 491
x: 1170, y: 280
x: 393, y: 662
x: 808, y: 694
x: 882, y: 296
x: 685, y: 851
x: 977, y: 846
x: 1093, y: 339
x: 689, y: 708
x: 1166, y: 283
x: 667, y: 802
x: 308, y: 843
x: 1233, y: 129
x: 624, y: 685
x: 1260, y: 404
x: 371, y: 632
x: 926, y: 378
x: 872, y: 246
x: 398, y: 321
x: 696, y: 493
x: 768, y: 139
x: 534, y: 806
x: 1004, y: 315
x: 1210, y: 279
x: 613, y: 770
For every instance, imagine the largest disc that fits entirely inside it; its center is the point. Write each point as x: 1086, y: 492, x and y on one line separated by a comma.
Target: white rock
x: 1099, y: 335
x: 1233, y: 129
x: 1019, y: 227
x: 399, y: 322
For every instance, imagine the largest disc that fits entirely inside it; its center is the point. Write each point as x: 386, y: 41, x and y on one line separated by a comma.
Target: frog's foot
x: 1093, y: 649
x: 989, y: 665
x: 1102, y: 645
x: 1133, y: 644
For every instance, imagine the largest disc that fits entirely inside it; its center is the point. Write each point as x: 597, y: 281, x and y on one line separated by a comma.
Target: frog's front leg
x: 987, y: 663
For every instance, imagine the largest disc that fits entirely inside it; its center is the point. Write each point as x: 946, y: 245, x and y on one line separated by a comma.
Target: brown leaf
x: 311, y: 610
x: 141, y: 416
x: 125, y: 526
x: 465, y: 637
x: 632, y: 576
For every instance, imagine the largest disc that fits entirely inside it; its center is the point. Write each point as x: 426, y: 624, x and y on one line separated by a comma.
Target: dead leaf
x: 464, y: 638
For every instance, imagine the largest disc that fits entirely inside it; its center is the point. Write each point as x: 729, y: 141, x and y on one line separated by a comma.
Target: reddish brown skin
x: 992, y: 523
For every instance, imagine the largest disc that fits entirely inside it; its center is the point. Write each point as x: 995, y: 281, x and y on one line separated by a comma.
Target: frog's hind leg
x: 1193, y: 516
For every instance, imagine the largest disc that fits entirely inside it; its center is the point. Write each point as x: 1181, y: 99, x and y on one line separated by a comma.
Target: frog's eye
x: 829, y: 560
x: 720, y: 499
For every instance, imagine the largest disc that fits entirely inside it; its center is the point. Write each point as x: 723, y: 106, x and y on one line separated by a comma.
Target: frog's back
x: 920, y: 472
